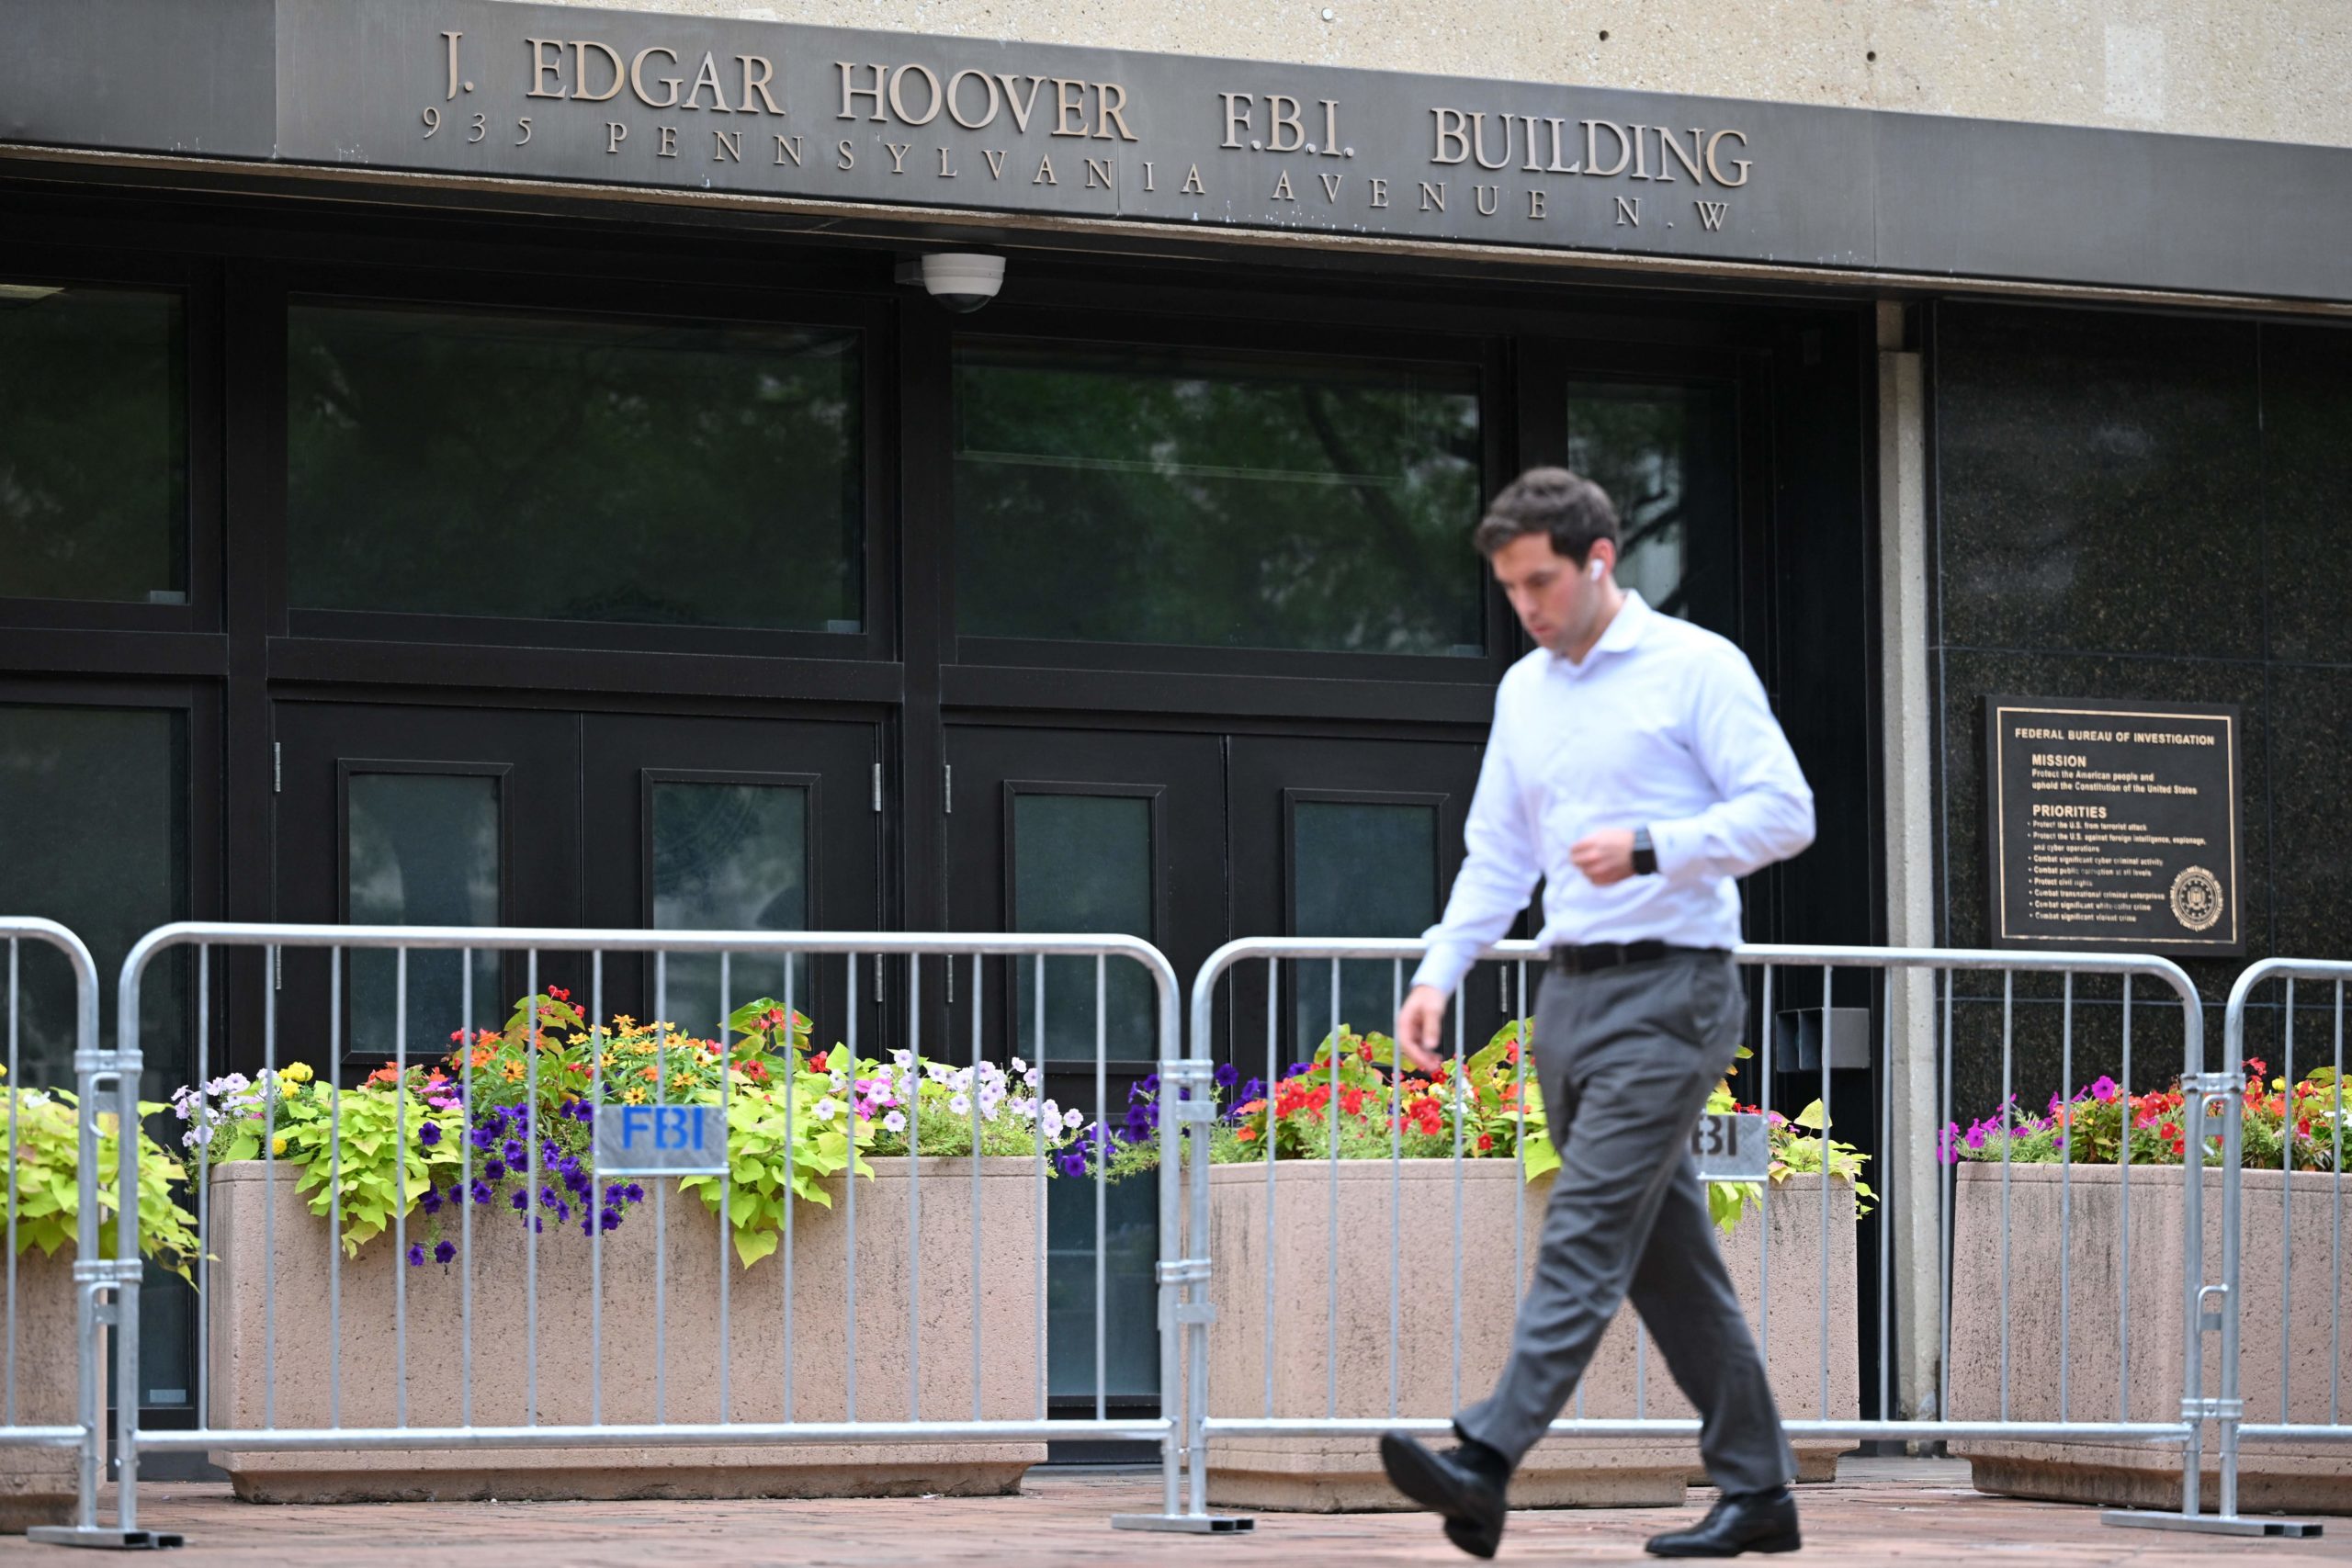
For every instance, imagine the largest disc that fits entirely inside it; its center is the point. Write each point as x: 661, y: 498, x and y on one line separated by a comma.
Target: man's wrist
x: 1645, y: 854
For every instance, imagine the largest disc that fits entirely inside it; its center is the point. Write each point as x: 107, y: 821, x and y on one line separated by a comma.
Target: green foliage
x: 47, y: 1194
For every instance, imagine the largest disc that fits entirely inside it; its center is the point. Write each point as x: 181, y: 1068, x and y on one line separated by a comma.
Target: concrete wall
x: 2269, y: 70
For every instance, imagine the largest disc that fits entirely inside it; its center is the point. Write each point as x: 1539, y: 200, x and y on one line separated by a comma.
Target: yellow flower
x: 623, y: 1020
x: 277, y: 1144
x: 634, y: 1097
x: 295, y: 1072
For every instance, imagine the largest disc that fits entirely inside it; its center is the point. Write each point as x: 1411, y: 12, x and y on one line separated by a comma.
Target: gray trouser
x: 1626, y: 1057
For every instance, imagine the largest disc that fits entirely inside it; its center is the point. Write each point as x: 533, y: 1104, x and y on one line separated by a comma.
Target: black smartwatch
x: 1645, y: 854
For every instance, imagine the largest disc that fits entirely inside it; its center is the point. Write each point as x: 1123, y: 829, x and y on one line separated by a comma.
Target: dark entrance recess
x: 1152, y: 552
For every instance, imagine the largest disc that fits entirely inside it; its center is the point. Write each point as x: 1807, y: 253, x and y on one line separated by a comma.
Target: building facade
x: 491, y: 464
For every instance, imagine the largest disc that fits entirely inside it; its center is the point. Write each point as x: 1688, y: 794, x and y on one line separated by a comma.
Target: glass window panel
x: 463, y: 463
x: 1130, y: 1249
x: 1668, y: 456
x: 1082, y: 862
x: 424, y: 850
x: 729, y: 857
x: 1231, y: 500
x: 94, y: 834
x: 1359, y: 868
x: 93, y: 445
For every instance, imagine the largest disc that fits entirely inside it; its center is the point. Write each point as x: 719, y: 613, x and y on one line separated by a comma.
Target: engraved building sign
x: 2114, y: 824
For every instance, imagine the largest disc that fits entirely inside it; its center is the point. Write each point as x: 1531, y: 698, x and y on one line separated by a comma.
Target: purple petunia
x: 1228, y: 1074
x: 429, y: 1134
x: 443, y: 1251
x: 416, y: 1254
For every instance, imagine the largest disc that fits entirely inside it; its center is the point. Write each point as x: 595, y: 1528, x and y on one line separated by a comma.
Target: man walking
x: 1633, y: 765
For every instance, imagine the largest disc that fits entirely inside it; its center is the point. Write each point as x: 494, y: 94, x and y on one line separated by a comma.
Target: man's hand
x: 1421, y: 1023
x: 1604, y: 857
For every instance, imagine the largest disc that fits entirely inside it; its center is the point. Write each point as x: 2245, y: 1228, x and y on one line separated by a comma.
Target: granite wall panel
x: 2137, y: 506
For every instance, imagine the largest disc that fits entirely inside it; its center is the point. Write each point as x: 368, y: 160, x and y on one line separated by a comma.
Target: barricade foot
x: 1184, y: 1524
x: 103, y: 1538
x: 2208, y: 1524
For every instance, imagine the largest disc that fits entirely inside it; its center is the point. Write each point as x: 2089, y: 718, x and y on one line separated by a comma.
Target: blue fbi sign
x: 661, y: 1140
x: 1731, y: 1147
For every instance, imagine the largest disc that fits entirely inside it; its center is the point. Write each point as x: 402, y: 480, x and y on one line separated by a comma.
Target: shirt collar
x: 1624, y: 630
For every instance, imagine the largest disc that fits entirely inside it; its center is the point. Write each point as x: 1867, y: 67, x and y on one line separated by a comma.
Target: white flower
x: 1019, y: 1065
x: 959, y: 1105
x: 895, y: 1122
x: 1053, y: 1112
x: 962, y: 1078
x: 902, y: 1059
x: 1033, y: 1078
x: 1072, y: 1120
x: 826, y: 1110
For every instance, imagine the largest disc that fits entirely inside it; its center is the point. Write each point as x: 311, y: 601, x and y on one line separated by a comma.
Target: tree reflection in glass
x: 1141, y: 495
x: 1665, y: 453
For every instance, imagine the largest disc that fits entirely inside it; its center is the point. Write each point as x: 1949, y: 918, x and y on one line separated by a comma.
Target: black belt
x: 1584, y: 960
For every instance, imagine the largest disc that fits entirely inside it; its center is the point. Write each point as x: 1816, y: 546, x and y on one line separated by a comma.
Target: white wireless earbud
x: 1597, y: 568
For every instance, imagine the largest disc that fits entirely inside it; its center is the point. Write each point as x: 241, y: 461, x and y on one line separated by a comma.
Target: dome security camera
x: 963, y: 281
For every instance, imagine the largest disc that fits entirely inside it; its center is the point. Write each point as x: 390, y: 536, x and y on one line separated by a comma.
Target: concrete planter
x: 246, y: 1196
x: 37, y: 1482
x: 1332, y: 1475
x: 2271, y: 1475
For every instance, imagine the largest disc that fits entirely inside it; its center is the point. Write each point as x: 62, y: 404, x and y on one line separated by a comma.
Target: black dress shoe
x: 1465, y: 1486
x: 1748, y: 1522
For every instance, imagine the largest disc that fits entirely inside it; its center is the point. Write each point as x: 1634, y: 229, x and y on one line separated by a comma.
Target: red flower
x: 559, y: 993
x: 1485, y: 1141
x: 2257, y: 1064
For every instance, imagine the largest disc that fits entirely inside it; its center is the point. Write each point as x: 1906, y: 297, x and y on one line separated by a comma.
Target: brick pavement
x: 1878, y: 1511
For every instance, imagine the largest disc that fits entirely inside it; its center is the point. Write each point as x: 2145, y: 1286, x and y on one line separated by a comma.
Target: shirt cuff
x: 1676, y: 845
x: 1445, y: 965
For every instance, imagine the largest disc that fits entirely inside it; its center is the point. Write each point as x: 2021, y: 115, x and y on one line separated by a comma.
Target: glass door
x: 693, y: 823
x: 1059, y: 831
x: 396, y: 814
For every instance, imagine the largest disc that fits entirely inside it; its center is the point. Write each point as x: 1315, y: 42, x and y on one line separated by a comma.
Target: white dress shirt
x: 1664, y: 725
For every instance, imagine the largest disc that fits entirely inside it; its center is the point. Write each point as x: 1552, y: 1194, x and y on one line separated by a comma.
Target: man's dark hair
x: 1572, y: 509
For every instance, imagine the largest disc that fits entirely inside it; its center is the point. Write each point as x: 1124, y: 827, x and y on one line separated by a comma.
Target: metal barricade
x: 2311, y: 1137
x: 102, y: 1287
x: 680, y: 1348
x: 1302, y: 976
